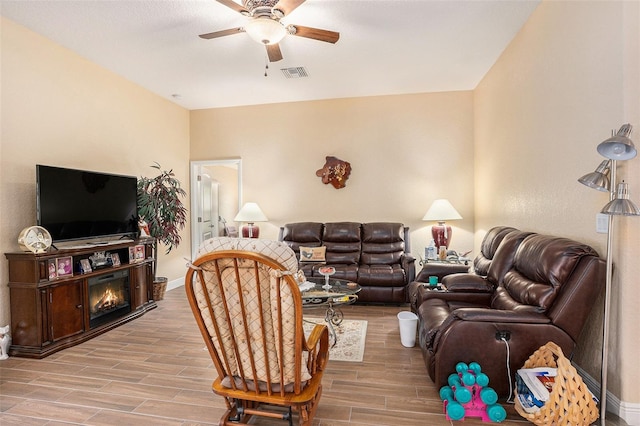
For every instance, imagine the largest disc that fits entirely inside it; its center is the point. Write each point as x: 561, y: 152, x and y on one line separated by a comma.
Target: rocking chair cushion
x: 238, y: 330
x: 275, y: 250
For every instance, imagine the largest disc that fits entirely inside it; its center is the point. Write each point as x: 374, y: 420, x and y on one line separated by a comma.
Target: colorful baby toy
x: 468, y: 395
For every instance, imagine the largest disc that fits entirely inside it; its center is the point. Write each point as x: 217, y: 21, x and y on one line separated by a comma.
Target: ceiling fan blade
x: 274, y: 53
x: 316, y: 33
x: 288, y: 6
x: 222, y: 33
x: 235, y: 6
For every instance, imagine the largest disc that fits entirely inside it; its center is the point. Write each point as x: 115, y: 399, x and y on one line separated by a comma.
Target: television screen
x: 78, y: 204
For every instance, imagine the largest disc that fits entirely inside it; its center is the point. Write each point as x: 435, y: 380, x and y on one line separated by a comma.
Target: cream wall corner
x: 568, y: 78
x: 60, y: 109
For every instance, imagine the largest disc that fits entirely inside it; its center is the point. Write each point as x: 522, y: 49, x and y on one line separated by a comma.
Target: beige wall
x: 405, y: 151
x: 62, y: 110
x: 555, y: 93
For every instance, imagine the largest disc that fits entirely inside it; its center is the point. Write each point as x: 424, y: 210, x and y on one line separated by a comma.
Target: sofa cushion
x: 505, y: 256
x: 308, y: 234
x: 488, y: 248
x: 343, y: 243
x: 343, y: 271
x: 382, y: 243
x: 382, y: 275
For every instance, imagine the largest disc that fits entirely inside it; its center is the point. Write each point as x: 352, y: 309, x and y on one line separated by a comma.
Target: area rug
x: 350, y: 334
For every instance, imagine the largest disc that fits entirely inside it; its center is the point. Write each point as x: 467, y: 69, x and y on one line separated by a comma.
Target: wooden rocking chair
x: 245, y: 298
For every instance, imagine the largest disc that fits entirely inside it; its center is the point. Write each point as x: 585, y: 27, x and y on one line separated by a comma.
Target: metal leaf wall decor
x: 335, y: 171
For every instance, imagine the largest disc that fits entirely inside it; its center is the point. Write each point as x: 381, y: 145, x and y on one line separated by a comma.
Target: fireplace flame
x: 107, y: 302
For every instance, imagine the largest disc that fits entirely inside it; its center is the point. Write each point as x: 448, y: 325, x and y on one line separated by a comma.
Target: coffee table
x: 340, y: 292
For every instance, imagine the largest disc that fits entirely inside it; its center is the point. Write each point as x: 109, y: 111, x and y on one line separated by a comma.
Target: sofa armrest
x: 501, y: 316
x: 440, y: 270
x: 409, y: 265
x: 471, y: 299
x: 467, y: 283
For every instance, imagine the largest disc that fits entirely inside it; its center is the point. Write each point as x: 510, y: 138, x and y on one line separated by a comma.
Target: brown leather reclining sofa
x: 374, y: 255
x: 537, y: 289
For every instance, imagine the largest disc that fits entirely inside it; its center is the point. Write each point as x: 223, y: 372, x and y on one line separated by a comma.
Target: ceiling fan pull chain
x: 266, y: 66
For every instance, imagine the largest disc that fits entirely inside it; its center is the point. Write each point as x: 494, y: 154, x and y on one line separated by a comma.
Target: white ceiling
x: 385, y: 47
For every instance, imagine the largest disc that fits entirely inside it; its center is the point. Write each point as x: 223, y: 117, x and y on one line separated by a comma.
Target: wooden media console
x: 53, y: 308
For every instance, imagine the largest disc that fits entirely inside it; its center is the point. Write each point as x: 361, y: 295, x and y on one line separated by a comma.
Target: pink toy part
x: 482, y: 401
x: 473, y: 408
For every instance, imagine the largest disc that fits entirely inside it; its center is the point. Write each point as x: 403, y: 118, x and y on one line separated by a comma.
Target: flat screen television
x: 79, y: 204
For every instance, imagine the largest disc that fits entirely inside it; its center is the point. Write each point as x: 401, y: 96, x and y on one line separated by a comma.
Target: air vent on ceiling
x: 294, y: 72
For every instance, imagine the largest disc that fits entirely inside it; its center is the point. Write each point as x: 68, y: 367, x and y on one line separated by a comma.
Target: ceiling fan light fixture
x: 265, y: 30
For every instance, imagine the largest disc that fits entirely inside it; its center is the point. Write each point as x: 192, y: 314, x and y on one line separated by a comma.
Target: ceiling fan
x: 264, y: 24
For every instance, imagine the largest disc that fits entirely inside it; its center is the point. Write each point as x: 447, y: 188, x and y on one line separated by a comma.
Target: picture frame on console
x: 53, y: 270
x: 85, y: 266
x: 136, y: 253
x: 64, y: 266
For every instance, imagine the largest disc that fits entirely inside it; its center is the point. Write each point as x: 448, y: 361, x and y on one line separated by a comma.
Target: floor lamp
x: 617, y: 147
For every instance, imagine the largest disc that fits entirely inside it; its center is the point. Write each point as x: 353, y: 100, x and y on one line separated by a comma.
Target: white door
x: 207, y: 208
x: 224, y: 193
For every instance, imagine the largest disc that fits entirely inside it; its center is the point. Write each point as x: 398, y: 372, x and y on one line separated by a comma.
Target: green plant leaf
x: 160, y: 205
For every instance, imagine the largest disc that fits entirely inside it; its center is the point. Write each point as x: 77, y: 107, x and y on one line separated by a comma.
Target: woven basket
x: 570, y: 402
x: 159, y: 288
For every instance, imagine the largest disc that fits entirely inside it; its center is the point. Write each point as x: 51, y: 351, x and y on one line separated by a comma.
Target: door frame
x: 195, y: 169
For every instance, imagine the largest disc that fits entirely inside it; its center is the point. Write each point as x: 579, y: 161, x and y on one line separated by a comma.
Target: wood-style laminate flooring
x: 155, y: 371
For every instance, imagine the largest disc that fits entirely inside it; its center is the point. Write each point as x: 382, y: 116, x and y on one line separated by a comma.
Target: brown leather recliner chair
x: 457, y: 274
x: 546, y: 287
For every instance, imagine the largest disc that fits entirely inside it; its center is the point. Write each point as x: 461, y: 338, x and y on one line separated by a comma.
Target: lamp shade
x: 599, y: 179
x: 621, y: 205
x: 619, y: 146
x: 250, y: 213
x: 441, y: 210
x: 265, y: 30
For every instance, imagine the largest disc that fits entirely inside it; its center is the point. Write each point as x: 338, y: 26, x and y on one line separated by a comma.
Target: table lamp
x: 440, y: 211
x: 250, y: 213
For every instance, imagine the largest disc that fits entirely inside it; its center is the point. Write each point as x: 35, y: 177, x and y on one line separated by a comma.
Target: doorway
x: 216, y: 198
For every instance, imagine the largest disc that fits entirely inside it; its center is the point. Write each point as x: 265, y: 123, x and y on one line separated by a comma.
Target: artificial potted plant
x: 160, y: 206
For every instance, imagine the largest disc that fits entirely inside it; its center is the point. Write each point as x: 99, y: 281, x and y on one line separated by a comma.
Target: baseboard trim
x: 629, y: 412
x: 178, y: 282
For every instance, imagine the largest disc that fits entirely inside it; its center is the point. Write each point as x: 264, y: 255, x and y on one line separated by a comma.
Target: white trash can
x: 408, y: 326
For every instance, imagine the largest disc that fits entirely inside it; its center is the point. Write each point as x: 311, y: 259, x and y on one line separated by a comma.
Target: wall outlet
x: 503, y: 334
x: 602, y: 223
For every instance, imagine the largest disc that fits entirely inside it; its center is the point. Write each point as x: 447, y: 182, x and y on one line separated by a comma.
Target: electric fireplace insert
x: 109, y: 297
